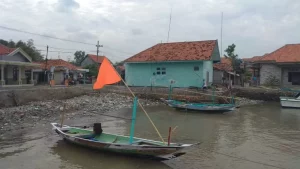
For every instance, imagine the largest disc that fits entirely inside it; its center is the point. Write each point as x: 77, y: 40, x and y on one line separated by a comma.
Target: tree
x: 28, y: 47
x: 78, y: 57
x: 93, y: 69
x: 235, y: 61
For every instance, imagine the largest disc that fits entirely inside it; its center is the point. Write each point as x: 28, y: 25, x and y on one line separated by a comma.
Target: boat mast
x: 133, y: 120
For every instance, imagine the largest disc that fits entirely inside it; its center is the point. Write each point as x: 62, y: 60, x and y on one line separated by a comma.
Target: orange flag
x: 107, y: 75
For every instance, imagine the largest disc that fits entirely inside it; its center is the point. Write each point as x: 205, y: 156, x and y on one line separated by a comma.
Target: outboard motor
x: 97, y: 129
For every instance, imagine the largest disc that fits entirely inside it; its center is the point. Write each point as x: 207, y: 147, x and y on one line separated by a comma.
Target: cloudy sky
x: 125, y: 27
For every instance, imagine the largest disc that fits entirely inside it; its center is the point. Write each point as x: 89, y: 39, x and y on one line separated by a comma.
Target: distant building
x: 280, y: 67
x: 16, y: 67
x: 121, y: 71
x: 91, y: 59
x: 223, y: 73
x: 181, y: 64
x: 61, y: 70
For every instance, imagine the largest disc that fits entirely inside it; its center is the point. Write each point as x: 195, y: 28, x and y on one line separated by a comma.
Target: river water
x: 261, y: 137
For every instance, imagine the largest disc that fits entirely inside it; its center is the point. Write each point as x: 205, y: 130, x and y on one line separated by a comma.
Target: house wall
x: 9, y: 76
x: 59, y: 77
x: 216, y: 54
x: 87, y: 61
x: 16, y: 57
x: 217, y: 77
x: 141, y: 74
x: 208, y: 67
x: 268, y: 70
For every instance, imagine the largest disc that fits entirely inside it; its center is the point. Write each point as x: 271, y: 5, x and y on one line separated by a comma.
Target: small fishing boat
x: 96, y: 139
x: 207, y: 107
x: 290, y: 102
x: 121, y: 144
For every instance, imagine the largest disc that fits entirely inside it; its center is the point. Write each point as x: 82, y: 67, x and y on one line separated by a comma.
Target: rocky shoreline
x: 44, y: 112
x: 246, y: 102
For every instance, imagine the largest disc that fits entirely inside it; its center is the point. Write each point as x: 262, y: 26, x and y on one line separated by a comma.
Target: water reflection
x: 265, y: 134
x: 80, y: 157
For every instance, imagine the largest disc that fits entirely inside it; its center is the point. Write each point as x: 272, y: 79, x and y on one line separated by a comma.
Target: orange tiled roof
x: 5, y: 50
x: 57, y: 63
x: 94, y: 58
x: 224, y: 64
x: 253, y: 59
x: 287, y: 53
x: 176, y: 51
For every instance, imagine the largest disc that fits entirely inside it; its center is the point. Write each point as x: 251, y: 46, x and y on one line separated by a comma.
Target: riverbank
x: 44, y: 112
x: 260, y: 137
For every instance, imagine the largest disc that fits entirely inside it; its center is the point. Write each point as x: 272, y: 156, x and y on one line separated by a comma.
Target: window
x: 163, y: 71
x: 290, y: 76
x: 160, y: 71
x: 196, y: 68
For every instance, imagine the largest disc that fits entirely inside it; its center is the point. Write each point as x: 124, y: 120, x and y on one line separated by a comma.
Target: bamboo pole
x: 143, y: 110
x: 169, y: 137
x: 63, y: 116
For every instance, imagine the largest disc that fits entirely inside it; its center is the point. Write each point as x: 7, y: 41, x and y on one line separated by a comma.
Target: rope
x: 144, y: 111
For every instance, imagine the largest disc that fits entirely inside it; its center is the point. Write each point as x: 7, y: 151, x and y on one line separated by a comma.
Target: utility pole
x: 169, y: 25
x: 98, y: 46
x: 222, y: 35
x: 46, y: 64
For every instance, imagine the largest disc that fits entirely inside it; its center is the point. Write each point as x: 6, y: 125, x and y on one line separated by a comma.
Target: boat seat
x: 108, y: 138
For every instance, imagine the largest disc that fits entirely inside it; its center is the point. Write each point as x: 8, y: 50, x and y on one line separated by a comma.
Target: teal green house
x: 182, y: 64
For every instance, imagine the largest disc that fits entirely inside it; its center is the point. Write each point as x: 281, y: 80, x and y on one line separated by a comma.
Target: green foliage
x: 78, y: 57
x: 272, y: 80
x: 27, y: 47
x: 93, y: 70
x: 248, y: 76
x: 235, y: 61
x: 118, y: 63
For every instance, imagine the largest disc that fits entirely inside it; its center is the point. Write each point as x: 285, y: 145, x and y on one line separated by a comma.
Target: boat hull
x: 147, y: 151
x: 289, y: 102
x: 200, y: 107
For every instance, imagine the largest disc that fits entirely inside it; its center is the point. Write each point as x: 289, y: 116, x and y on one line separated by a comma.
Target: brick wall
x: 269, y: 70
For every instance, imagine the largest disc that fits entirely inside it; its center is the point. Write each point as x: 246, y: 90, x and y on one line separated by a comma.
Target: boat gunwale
x: 141, y: 139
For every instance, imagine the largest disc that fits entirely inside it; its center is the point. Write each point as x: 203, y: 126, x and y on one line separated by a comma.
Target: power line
x: 117, y: 50
x: 51, y: 37
x: 56, y: 51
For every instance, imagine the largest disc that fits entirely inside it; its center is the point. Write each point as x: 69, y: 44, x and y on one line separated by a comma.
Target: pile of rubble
x: 48, y: 111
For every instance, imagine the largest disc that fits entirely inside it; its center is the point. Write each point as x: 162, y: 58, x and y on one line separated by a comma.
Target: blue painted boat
x: 206, y: 107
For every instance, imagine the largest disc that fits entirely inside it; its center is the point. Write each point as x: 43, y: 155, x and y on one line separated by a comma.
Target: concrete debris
x: 247, y: 102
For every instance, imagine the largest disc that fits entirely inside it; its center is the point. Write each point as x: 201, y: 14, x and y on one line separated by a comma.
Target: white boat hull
x: 290, y: 102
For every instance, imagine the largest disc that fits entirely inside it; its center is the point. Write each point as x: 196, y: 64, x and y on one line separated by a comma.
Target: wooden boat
x: 121, y: 144
x: 96, y: 139
x: 207, y: 107
x: 290, y: 102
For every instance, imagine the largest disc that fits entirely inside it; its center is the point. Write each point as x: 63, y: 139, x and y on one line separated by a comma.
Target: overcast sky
x: 126, y: 27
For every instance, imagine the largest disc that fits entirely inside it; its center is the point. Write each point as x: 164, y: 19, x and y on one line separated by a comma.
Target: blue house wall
x: 185, y: 73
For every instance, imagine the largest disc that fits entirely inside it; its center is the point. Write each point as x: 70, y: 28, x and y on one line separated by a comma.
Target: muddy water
x: 261, y: 136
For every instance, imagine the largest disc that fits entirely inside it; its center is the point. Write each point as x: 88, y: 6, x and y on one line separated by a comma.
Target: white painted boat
x: 290, y: 102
